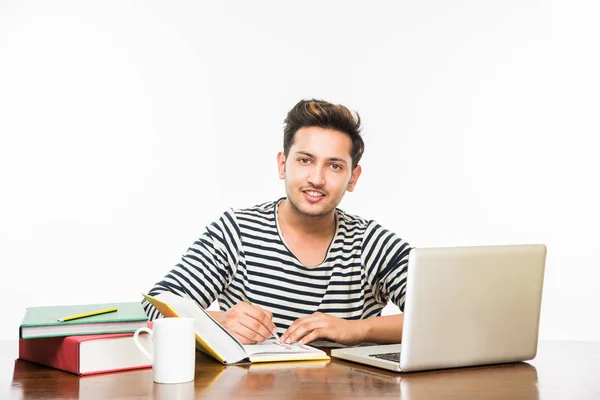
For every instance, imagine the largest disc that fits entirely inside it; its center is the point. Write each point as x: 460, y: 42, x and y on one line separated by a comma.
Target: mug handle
x: 139, y: 345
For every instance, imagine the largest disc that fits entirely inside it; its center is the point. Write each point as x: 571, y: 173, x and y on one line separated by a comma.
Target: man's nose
x: 316, y: 177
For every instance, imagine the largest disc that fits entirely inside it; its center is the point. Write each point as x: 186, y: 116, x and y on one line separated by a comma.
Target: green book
x: 40, y: 322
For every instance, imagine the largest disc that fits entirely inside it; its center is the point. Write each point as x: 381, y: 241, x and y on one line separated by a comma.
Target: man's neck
x: 292, y: 219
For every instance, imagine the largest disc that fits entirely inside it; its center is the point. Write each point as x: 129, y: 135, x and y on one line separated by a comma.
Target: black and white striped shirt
x: 243, y: 255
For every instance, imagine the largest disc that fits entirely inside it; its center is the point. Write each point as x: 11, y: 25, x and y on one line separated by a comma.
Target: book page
x: 271, y: 346
x: 271, y: 350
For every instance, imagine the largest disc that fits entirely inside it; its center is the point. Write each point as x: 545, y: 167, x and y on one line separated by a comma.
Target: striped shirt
x: 243, y: 255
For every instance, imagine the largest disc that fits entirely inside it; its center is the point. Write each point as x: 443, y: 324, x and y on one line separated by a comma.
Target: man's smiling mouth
x: 313, y: 193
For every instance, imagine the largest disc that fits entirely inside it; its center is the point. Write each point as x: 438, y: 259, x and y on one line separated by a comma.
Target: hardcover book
x: 87, y: 354
x: 40, y: 322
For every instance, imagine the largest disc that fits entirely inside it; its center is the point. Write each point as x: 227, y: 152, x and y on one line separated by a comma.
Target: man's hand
x: 324, y: 326
x: 250, y: 324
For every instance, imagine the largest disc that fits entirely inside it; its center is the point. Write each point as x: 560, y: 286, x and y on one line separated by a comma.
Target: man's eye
x: 337, y: 167
x: 303, y: 160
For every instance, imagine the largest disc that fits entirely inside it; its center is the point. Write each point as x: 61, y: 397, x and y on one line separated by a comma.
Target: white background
x: 127, y: 126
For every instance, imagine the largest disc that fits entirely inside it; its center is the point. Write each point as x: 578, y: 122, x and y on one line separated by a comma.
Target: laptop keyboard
x: 394, y: 357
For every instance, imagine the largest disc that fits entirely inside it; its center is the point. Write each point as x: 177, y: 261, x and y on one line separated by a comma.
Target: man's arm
x: 204, y: 270
x: 207, y: 267
x: 382, y: 330
x: 204, y: 273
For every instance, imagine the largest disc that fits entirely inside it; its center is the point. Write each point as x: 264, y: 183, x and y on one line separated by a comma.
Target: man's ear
x: 281, y: 165
x: 354, y: 178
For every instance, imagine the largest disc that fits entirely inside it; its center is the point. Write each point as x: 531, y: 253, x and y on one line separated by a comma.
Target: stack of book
x: 84, y: 339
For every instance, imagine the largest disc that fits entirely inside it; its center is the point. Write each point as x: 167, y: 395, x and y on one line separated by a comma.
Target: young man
x: 298, y: 265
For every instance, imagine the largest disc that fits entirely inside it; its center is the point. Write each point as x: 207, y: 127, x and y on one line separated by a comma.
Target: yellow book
x: 218, y: 343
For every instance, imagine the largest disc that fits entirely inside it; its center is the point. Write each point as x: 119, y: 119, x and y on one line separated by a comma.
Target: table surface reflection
x: 562, y: 370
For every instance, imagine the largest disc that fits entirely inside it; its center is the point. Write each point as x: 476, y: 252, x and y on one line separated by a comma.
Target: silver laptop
x: 465, y: 306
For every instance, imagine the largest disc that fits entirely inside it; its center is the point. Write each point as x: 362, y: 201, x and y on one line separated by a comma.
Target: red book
x: 88, y: 354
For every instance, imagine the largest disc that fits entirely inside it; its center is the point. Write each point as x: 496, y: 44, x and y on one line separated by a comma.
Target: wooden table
x: 562, y: 370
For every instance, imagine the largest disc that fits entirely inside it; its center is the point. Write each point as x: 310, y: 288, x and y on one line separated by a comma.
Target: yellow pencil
x: 72, y: 317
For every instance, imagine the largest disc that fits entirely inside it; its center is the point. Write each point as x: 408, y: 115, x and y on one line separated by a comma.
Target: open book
x: 217, y: 342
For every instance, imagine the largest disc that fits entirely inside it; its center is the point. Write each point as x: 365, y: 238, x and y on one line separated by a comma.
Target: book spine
x: 60, y: 353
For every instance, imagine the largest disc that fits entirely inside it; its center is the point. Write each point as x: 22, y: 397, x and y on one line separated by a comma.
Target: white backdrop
x: 127, y: 126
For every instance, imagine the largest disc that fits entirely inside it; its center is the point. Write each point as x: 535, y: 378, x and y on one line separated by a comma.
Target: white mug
x: 174, y: 348
x: 182, y: 391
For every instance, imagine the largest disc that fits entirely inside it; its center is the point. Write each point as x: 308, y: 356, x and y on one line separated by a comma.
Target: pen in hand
x: 274, y: 332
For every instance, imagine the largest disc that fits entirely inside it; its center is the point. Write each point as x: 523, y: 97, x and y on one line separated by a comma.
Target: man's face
x: 318, y: 170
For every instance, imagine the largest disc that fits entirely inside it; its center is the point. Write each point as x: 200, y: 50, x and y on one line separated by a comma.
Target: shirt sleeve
x: 385, y: 257
x: 206, y: 269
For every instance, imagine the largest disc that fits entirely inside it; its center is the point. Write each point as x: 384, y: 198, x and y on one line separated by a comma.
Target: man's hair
x: 326, y: 115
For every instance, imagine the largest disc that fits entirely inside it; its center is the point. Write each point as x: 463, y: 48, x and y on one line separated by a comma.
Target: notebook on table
x: 465, y: 306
